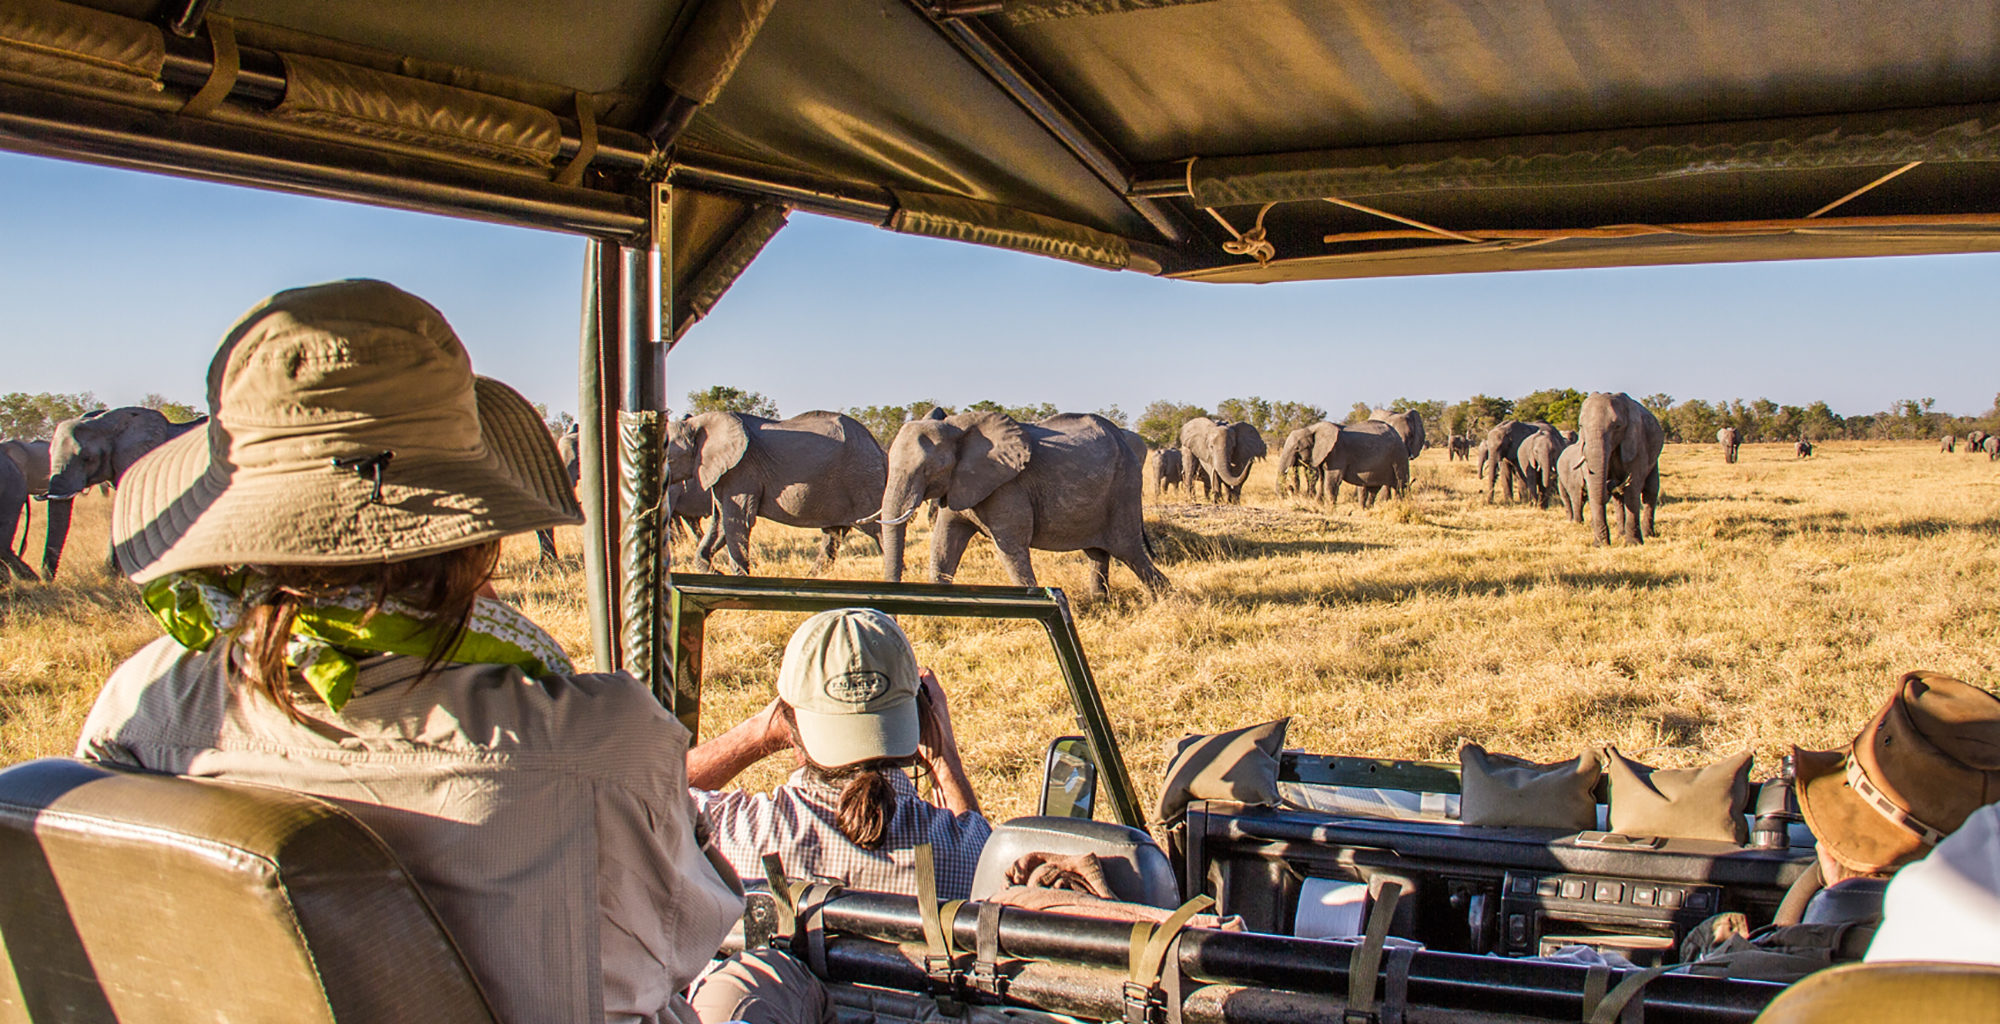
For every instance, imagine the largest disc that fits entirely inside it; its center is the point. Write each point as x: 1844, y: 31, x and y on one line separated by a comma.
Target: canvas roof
x: 1366, y: 137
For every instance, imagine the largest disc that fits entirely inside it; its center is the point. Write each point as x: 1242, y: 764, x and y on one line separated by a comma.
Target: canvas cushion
x: 1501, y: 790
x: 1681, y: 803
x: 1239, y: 765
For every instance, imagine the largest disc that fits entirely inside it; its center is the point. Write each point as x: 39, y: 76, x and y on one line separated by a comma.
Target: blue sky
x: 121, y: 283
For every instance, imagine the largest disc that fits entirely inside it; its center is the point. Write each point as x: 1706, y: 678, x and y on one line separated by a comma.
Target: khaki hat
x: 346, y: 428
x: 1928, y: 759
x: 850, y: 679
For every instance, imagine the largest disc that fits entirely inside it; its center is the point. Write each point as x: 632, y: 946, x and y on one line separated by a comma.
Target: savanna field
x: 1780, y: 600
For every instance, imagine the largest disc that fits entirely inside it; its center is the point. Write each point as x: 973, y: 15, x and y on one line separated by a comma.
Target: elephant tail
x: 27, y: 523
x: 1146, y: 541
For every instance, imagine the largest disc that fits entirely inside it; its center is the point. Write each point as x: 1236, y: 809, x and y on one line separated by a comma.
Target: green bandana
x: 330, y: 635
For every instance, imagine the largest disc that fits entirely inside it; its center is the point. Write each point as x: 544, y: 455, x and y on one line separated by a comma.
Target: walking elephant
x: 1570, y: 481
x: 1502, y: 462
x: 13, y: 501
x: 1225, y: 451
x: 1066, y: 483
x: 1621, y: 452
x: 1460, y: 450
x: 31, y: 459
x: 1408, y: 425
x: 97, y: 448
x: 1538, y: 457
x: 1991, y: 445
x: 1947, y: 444
x: 1369, y: 455
x: 1164, y: 471
x: 573, y: 464
x: 1730, y: 441
x: 817, y: 470
x: 1975, y: 440
x: 1296, y: 472
x: 1803, y: 449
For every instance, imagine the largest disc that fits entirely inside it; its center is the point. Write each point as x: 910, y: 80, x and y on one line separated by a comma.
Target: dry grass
x: 1777, y: 605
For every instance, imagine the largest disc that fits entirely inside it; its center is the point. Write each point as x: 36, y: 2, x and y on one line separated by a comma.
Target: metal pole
x: 640, y: 476
x: 594, y: 427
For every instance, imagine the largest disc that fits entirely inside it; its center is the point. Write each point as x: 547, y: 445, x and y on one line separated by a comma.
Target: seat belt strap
x: 1610, y: 1011
x: 1595, y: 980
x: 1366, y: 961
x: 986, y: 976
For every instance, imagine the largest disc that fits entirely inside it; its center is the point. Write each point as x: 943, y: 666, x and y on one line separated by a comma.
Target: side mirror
x: 1069, y: 779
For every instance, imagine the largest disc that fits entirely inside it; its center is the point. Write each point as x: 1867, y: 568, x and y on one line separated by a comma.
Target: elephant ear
x: 1249, y: 442
x: 1324, y: 437
x: 991, y: 451
x: 722, y: 442
x: 1634, y: 440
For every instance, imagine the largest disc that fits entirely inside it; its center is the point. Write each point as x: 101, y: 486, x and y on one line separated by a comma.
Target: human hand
x: 935, y: 738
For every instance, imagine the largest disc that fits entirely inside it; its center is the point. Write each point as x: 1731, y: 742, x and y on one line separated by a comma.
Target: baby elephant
x: 1804, y: 449
x: 1991, y: 446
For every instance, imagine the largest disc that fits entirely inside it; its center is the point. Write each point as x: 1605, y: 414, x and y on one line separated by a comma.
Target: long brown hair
x: 441, y: 587
x: 867, y: 803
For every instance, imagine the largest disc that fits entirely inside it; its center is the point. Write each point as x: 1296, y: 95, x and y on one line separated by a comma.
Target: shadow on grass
x: 1173, y: 544
x: 1397, y: 591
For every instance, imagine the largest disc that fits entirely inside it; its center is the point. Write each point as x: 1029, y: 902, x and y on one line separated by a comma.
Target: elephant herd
x: 1613, y: 454
x: 92, y: 449
x: 1975, y: 441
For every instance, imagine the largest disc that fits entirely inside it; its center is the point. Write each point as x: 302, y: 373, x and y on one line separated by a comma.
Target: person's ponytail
x: 867, y: 805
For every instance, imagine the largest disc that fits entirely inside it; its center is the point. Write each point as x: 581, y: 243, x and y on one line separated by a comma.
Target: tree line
x: 32, y: 417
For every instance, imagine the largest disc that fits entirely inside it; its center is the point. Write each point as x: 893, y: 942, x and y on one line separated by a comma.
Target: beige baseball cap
x: 850, y: 679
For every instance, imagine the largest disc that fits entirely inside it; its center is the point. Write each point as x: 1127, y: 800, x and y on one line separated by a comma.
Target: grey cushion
x: 1134, y: 865
x: 1502, y: 790
x: 1683, y: 803
x: 1240, y: 765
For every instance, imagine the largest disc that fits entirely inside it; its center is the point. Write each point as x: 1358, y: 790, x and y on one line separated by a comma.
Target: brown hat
x: 1928, y: 759
x: 347, y: 428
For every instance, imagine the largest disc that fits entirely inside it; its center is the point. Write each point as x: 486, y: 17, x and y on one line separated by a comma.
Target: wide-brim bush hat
x: 850, y: 678
x: 346, y: 427
x: 1927, y: 760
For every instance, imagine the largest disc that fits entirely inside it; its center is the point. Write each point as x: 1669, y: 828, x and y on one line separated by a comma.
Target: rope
x: 1864, y: 188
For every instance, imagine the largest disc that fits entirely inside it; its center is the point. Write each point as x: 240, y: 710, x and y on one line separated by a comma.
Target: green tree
x: 723, y: 398
x: 1022, y: 413
x: 1480, y: 413
x: 1253, y: 410
x: 885, y: 420
x: 1358, y: 412
x: 27, y: 416
x: 1289, y: 416
x: 1431, y: 411
x: 1658, y: 403
x: 1115, y: 415
x: 1819, y: 423
x: 1160, y: 423
x: 175, y: 412
x: 1557, y: 407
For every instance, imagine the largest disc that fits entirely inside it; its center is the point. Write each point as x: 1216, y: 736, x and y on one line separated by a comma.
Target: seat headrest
x: 1852, y: 899
x: 1134, y: 865
x: 181, y: 899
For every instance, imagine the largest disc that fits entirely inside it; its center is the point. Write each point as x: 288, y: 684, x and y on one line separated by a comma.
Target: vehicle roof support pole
x: 597, y: 405
x: 641, y: 467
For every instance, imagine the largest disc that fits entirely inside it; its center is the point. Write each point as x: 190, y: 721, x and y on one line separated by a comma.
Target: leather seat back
x: 1852, y: 899
x: 1134, y: 865
x: 1934, y: 993
x: 151, y: 897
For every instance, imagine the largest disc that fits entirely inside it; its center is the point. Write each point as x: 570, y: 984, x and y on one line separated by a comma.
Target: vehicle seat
x: 135, y: 896
x: 1134, y: 865
x: 1853, y: 899
x: 1934, y: 993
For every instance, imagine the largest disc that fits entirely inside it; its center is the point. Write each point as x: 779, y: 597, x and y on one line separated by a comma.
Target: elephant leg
x: 736, y: 542
x: 829, y: 548
x: 1368, y: 496
x: 1628, y: 514
x: 873, y: 531
x: 14, y: 564
x: 1332, y: 487
x: 948, y: 542
x: 546, y: 540
x: 1014, y: 558
x: 1135, y: 556
x: 1651, y: 496
x: 711, y: 539
x: 1100, y: 571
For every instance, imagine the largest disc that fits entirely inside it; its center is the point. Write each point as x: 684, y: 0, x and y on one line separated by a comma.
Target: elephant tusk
x: 899, y: 520
x: 865, y: 520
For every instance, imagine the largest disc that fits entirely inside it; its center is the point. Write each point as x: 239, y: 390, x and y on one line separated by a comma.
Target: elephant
x: 1538, y: 456
x: 1991, y: 445
x: 1164, y: 471
x: 1370, y: 455
x: 1948, y: 444
x: 1461, y: 448
x: 1192, y: 473
x: 1225, y: 450
x: 573, y: 463
x: 1568, y: 436
x: 1730, y: 441
x: 1621, y: 451
x: 1570, y: 481
x: 97, y: 448
x: 1296, y: 471
x: 1503, y: 457
x: 1408, y: 425
x: 690, y: 506
x: 1975, y: 440
x: 1803, y: 450
x: 31, y: 458
x: 818, y: 469
x: 13, y: 501
x: 1066, y: 483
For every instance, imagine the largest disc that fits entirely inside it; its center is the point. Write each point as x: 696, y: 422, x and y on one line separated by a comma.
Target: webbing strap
x: 811, y: 927
x: 1148, y: 956
x: 785, y: 893
x: 940, y: 953
x: 586, y: 145
x: 1396, y: 987
x: 222, y: 73
x: 986, y: 976
x: 1366, y: 960
x: 1595, y: 980
x: 1627, y: 991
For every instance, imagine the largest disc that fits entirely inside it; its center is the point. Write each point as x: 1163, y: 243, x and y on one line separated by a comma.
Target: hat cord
x: 1887, y: 808
x: 368, y: 465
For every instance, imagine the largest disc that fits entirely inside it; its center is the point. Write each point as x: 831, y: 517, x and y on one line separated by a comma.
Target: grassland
x: 1778, y: 604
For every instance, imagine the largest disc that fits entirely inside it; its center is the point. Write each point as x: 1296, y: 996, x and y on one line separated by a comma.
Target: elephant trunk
x: 58, y: 535
x: 1597, y: 483
x: 900, y: 501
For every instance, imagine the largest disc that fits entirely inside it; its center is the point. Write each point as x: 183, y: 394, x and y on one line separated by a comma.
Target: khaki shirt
x: 548, y: 822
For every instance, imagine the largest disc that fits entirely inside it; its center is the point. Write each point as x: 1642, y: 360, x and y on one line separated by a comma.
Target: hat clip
x: 367, y: 466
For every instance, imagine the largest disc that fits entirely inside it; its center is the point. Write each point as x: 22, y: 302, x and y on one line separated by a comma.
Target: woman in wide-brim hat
x: 319, y: 558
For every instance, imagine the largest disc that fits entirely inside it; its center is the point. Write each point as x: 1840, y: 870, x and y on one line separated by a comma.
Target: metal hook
x: 368, y: 466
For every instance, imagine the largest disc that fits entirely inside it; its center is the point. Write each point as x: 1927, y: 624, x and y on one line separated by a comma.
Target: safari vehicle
x: 1217, y: 141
